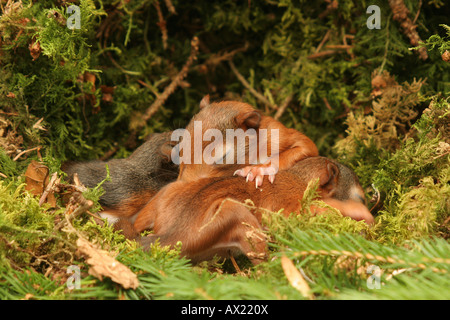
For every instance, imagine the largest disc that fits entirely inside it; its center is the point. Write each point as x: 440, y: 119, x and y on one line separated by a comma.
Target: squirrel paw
x: 257, y: 173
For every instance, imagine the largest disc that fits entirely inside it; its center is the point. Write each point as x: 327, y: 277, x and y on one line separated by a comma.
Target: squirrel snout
x: 352, y: 209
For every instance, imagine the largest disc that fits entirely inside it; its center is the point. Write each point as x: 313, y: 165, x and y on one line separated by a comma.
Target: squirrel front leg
x: 293, y: 146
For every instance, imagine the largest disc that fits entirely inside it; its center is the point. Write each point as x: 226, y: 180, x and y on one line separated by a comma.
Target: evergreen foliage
x: 365, y: 96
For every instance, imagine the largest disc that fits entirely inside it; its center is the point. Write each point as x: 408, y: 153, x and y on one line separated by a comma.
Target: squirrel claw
x: 258, y: 181
x: 257, y: 173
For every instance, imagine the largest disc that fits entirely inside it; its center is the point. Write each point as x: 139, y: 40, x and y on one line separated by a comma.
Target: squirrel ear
x: 205, y: 102
x: 329, y: 181
x: 249, y: 120
x: 166, y: 150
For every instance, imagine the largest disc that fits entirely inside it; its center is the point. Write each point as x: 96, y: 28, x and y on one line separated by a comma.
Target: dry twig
x: 175, y: 82
x: 49, y: 187
x: 332, y: 5
x: 161, y: 24
x: 321, y: 54
x: 283, y: 107
x: 26, y: 151
x: 280, y: 109
x: 245, y: 83
x: 170, y: 6
x: 217, y: 58
x: 324, y: 40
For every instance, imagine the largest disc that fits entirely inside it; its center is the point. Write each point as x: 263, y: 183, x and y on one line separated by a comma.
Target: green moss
x: 418, y: 212
x: 23, y: 224
x: 397, y: 141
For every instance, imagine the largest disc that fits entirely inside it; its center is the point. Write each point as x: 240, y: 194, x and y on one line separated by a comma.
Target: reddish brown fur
x: 198, y: 214
x: 293, y: 145
x: 130, y: 206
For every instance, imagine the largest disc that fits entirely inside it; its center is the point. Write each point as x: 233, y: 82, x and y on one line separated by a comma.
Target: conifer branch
x: 323, y: 243
x: 400, y: 14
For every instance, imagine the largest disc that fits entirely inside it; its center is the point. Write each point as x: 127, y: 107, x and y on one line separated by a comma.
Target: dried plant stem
x: 175, y: 82
x: 26, y: 151
x: 76, y: 206
x: 325, y: 39
x: 170, y: 6
x: 283, y: 106
x: 161, y: 24
x: 322, y: 54
x: 217, y: 58
x: 48, y: 188
x: 247, y: 85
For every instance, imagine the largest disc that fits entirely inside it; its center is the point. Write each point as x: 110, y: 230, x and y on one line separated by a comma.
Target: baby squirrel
x: 292, y: 145
x: 196, y: 209
x: 199, y: 214
x: 133, y: 180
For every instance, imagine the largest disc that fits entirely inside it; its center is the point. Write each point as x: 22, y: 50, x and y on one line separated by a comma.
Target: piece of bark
x: 103, y: 265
